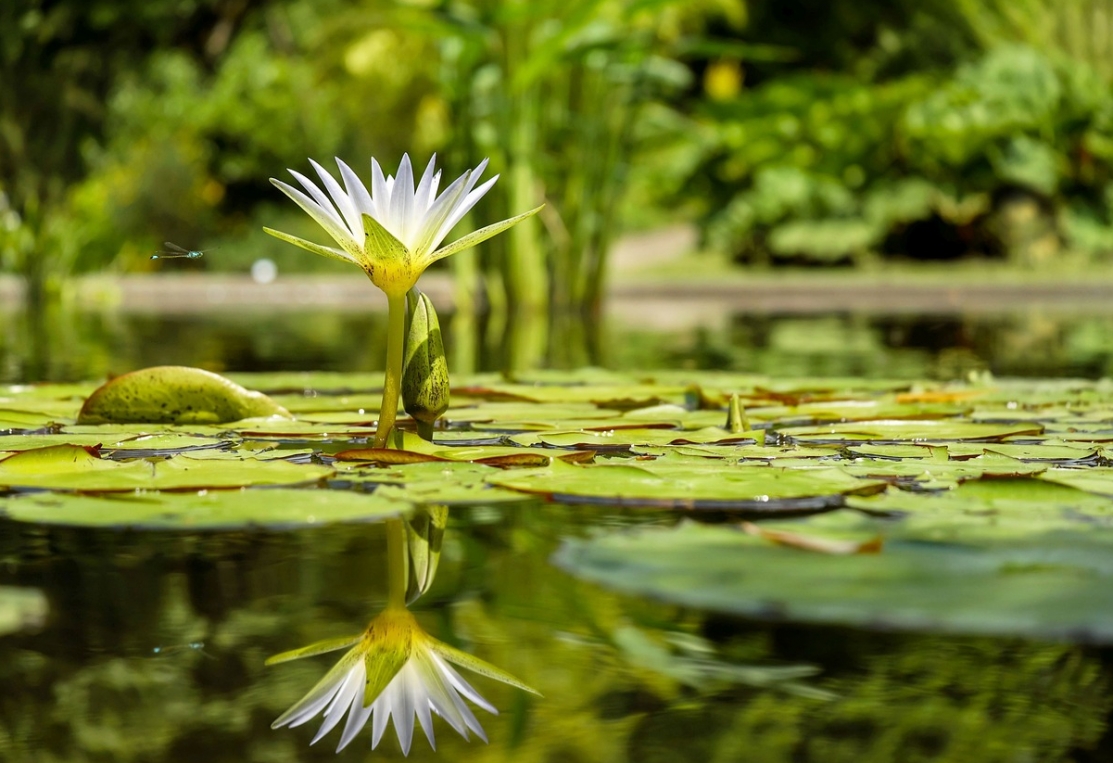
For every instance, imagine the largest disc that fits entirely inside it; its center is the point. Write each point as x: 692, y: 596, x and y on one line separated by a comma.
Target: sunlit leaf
x: 206, y: 509
x: 175, y: 394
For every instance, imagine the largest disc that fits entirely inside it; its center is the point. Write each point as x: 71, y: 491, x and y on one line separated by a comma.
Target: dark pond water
x: 154, y: 645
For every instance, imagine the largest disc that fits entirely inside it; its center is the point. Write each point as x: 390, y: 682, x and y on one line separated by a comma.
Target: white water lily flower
x: 393, y: 231
x: 398, y: 671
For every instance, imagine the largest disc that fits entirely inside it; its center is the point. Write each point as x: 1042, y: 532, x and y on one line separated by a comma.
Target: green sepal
x: 319, y: 647
x: 476, y: 665
x: 382, y: 667
x: 324, y: 251
x: 481, y: 235
x: 326, y: 684
x: 379, y: 243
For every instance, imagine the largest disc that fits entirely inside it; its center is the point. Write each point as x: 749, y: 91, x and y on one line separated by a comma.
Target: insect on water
x: 173, y: 250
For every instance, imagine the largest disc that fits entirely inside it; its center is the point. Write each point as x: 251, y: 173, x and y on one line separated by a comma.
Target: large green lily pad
x: 71, y: 467
x: 206, y: 509
x: 1058, y: 584
x: 690, y: 485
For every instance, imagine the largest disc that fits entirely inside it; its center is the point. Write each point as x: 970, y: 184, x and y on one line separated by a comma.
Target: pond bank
x: 656, y: 297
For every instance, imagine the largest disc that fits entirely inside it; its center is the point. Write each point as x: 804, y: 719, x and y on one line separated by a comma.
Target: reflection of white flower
x: 393, y: 230
x: 395, y: 670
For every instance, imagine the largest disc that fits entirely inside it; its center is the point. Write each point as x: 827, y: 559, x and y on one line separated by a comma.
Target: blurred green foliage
x: 802, y: 131
x: 999, y: 145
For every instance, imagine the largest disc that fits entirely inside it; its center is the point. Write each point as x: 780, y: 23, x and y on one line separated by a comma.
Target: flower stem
x: 395, y: 341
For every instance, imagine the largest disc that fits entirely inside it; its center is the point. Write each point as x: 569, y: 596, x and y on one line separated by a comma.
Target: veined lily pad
x: 70, y: 467
x: 139, y: 441
x: 1092, y: 479
x: 903, y: 431
x: 1001, y: 506
x: 1056, y: 587
x: 442, y: 482
x: 206, y: 509
x: 623, y: 438
x: 175, y: 394
x: 751, y: 488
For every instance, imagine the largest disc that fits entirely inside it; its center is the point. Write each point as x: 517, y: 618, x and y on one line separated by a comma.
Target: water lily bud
x: 425, y: 372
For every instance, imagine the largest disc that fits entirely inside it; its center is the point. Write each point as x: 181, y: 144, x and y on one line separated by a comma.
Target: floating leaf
x: 206, y: 509
x: 902, y: 431
x: 1059, y: 587
x: 70, y: 467
x: 175, y: 394
x: 814, y: 542
x: 752, y: 488
x: 445, y: 482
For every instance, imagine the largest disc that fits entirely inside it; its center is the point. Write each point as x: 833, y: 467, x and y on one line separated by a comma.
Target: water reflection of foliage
x: 80, y: 691
x: 70, y: 345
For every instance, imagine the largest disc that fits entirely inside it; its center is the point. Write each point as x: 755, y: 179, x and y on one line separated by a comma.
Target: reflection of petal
x: 352, y: 685
x: 423, y: 686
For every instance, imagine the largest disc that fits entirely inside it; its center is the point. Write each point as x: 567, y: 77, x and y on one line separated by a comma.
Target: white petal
x: 380, y: 191
x: 427, y: 239
x: 340, y: 198
x: 426, y: 189
x: 301, y: 713
x: 425, y: 718
x: 327, y: 219
x: 342, y: 702
x: 464, y: 687
x: 357, y: 719
x: 462, y: 208
x: 382, y: 705
x: 323, y: 201
x: 403, y: 711
x: 401, y: 201
x: 357, y: 191
x: 444, y: 699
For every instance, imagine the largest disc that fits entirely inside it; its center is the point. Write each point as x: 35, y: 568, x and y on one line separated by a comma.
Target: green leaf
x: 175, y: 394
x: 1058, y: 586
x: 481, y: 235
x: 70, y: 467
x: 205, y: 509
x: 309, y: 246
x: 756, y: 488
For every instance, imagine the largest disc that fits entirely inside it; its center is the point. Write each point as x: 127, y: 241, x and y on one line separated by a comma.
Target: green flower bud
x: 425, y: 371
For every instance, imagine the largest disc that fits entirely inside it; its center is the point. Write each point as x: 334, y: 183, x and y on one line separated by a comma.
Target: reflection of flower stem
x: 397, y: 571
x: 394, y: 669
x: 395, y: 342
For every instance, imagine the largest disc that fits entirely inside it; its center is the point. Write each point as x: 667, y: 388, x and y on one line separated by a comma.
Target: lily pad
x: 1056, y: 586
x: 755, y: 488
x: 70, y: 467
x: 449, y: 483
x: 175, y: 394
x: 206, y: 509
x: 898, y: 431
